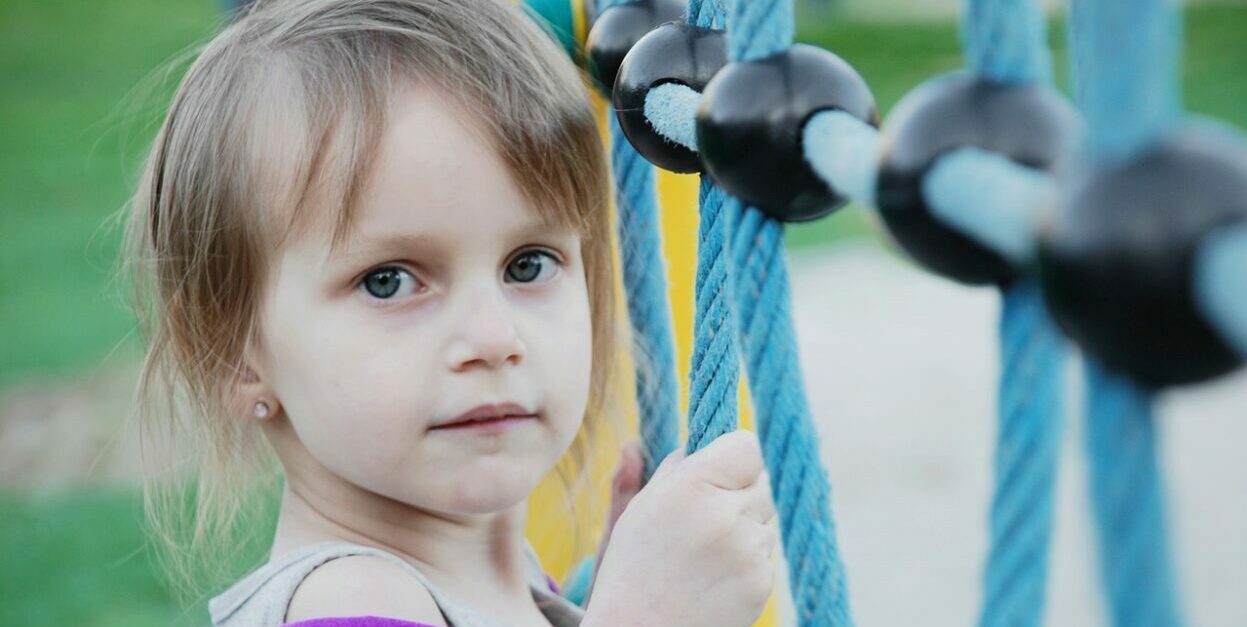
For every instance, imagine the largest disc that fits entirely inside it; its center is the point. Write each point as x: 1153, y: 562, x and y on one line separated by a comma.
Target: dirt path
x: 56, y: 432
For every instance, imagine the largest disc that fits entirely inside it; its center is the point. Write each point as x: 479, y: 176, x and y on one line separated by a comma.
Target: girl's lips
x: 489, y: 425
x: 487, y: 415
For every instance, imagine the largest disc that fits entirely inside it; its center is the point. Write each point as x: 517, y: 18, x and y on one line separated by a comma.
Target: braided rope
x: 760, y: 28
x: 1005, y: 42
x: 715, y: 370
x: 789, y: 441
x: 1027, y: 448
x: 1128, y: 502
x: 715, y: 373
x: 1124, y: 73
x: 1124, y: 60
x: 645, y: 282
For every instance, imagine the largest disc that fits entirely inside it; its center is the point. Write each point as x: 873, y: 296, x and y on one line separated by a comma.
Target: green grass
x: 70, y: 152
x: 79, y: 558
x: 70, y: 148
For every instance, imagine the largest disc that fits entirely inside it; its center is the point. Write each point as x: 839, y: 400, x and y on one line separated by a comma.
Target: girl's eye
x: 532, y: 266
x: 385, y: 283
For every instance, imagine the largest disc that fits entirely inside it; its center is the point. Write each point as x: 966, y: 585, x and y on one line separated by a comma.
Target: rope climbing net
x: 1118, y: 224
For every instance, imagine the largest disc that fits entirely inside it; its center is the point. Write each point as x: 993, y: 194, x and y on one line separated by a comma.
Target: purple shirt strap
x: 356, y: 621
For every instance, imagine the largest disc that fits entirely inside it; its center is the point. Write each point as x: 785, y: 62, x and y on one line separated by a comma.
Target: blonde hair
x: 288, y: 105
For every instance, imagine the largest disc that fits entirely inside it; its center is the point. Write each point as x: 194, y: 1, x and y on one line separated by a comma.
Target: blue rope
x: 645, y: 280
x: 705, y: 13
x: 1124, y: 56
x: 1127, y: 499
x: 1005, y: 42
x: 789, y: 441
x: 715, y: 373
x: 1001, y: 220
x: 1218, y: 287
x: 1124, y: 66
x: 714, y: 376
x: 1027, y: 449
x: 760, y: 28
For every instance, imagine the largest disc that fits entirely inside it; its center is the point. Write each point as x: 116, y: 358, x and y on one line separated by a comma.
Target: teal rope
x: 715, y: 372
x: 789, y: 441
x: 1005, y: 42
x: 645, y: 283
x: 1128, y: 502
x: 714, y: 376
x: 1027, y: 449
x: 1124, y: 67
x: 759, y: 28
x: 1124, y: 56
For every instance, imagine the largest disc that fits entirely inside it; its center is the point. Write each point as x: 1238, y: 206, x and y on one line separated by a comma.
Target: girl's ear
x: 250, y: 397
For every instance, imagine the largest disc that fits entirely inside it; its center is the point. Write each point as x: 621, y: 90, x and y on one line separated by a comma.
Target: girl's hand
x: 694, y: 547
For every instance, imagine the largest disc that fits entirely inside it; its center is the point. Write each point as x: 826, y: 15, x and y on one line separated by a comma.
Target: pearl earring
x: 261, y: 410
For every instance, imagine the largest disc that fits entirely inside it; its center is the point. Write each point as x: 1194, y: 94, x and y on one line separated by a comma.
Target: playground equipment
x: 1129, y: 226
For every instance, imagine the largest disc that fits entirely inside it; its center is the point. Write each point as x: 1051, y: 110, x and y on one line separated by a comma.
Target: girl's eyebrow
x: 360, y: 245
x: 364, y: 245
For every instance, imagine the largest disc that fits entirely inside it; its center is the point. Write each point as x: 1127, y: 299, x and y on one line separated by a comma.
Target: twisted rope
x: 760, y: 28
x: 645, y: 282
x: 715, y: 371
x: 1124, y: 61
x: 789, y: 441
x: 1128, y: 502
x: 1005, y: 42
x: 1027, y: 448
x: 1124, y: 74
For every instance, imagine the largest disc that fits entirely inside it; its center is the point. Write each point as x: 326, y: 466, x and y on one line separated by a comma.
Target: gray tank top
x: 261, y: 599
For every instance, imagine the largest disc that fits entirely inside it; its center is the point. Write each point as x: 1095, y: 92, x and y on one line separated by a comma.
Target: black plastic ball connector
x: 1029, y: 124
x: 618, y: 28
x: 1116, y: 262
x: 750, y: 124
x: 675, y: 52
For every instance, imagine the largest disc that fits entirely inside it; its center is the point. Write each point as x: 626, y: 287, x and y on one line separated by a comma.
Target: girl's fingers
x: 755, y: 502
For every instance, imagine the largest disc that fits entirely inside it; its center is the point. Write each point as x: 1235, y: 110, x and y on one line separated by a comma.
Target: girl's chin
x: 485, y: 493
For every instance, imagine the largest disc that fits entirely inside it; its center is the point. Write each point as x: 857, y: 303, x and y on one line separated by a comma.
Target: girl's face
x: 449, y: 293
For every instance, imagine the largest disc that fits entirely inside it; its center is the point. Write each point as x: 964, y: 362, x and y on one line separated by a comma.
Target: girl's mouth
x: 488, y: 417
x: 494, y: 424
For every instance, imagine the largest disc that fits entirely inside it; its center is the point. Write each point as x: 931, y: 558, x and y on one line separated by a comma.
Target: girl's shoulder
x: 363, y: 588
x: 263, y: 597
x: 360, y: 586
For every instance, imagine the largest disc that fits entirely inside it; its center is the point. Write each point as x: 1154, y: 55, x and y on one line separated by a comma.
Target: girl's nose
x: 485, y: 334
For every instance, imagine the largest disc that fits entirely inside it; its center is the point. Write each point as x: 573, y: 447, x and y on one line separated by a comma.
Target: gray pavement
x: 901, y: 369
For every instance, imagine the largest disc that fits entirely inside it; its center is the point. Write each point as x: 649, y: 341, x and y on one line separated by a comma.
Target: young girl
x: 375, y: 239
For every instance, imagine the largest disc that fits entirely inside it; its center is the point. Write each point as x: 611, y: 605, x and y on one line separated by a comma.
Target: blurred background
x: 901, y: 366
